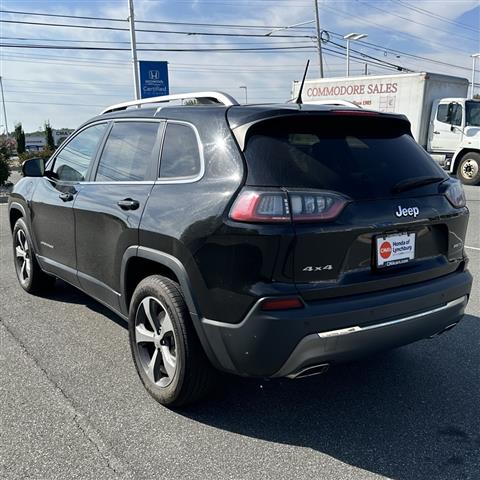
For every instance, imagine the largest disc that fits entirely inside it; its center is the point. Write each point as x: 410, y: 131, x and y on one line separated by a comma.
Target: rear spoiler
x: 241, y: 131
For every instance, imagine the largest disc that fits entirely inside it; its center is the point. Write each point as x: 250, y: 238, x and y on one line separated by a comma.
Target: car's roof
x: 237, y: 115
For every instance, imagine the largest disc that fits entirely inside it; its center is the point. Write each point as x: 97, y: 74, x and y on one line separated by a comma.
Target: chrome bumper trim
x: 356, y: 329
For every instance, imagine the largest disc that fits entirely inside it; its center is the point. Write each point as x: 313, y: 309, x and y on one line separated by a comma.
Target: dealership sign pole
x: 133, y: 44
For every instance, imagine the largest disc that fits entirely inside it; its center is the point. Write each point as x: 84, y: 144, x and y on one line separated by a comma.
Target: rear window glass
x: 361, y: 157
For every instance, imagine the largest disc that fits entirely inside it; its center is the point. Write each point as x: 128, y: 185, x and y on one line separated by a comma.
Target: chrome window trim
x: 125, y: 182
x: 190, y: 179
x: 51, y: 161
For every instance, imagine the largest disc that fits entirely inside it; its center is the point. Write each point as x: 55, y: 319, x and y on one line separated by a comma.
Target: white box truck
x: 444, y: 121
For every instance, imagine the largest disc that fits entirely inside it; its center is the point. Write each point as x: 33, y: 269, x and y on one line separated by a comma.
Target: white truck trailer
x: 444, y: 121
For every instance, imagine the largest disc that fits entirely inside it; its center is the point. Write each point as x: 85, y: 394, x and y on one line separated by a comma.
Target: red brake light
x: 281, y: 304
x: 276, y: 206
x: 261, y: 206
x: 361, y: 113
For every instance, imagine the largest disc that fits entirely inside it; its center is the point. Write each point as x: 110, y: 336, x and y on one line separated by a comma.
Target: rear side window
x: 127, y: 155
x: 363, y: 157
x: 180, y: 153
x: 72, y: 163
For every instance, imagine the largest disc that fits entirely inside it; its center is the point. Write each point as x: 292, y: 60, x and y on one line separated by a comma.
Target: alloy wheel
x: 156, y: 341
x: 23, y: 257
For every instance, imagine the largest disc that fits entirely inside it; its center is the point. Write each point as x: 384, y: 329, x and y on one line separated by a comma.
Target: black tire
x: 29, y: 274
x: 193, y: 377
x: 468, y: 170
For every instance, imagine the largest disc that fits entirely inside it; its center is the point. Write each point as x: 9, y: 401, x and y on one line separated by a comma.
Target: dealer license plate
x: 395, y: 249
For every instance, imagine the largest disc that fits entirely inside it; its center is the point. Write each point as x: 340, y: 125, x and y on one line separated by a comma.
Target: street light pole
x: 474, y: 62
x: 319, y: 38
x: 348, y: 38
x: 133, y: 45
x: 4, y: 109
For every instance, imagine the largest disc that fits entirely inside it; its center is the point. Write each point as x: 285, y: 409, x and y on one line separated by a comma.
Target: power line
x: 398, y: 67
x: 125, y: 42
x: 413, y: 21
x: 175, y: 32
x: 195, y: 24
x: 396, y: 31
x: 50, y: 103
x: 399, y: 52
x: 430, y: 14
x: 119, y: 49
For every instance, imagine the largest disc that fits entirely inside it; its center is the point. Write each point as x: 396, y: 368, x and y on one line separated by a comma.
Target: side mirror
x: 34, y: 167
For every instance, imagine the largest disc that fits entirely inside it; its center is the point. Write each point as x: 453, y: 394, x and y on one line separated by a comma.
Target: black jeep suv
x: 265, y: 241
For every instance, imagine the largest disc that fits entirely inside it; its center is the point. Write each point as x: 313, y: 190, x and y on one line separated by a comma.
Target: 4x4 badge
x: 407, y: 212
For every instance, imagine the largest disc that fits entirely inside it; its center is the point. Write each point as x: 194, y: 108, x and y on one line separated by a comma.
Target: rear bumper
x: 277, y: 344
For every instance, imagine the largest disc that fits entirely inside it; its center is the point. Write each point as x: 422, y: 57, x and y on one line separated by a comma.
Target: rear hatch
x: 390, y: 222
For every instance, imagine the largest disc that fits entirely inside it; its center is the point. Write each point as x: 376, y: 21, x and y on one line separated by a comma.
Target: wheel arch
x: 15, y: 212
x: 135, y: 259
x: 140, y: 262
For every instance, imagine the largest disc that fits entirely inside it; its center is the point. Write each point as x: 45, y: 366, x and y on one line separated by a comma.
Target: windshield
x: 473, y: 113
x: 360, y: 157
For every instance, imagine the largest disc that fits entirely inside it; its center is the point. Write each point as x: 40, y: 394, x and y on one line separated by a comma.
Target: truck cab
x: 454, y: 136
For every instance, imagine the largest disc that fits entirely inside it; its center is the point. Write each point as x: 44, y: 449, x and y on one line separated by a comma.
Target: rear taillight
x: 264, y: 206
x: 276, y: 206
x: 313, y: 206
x: 456, y: 194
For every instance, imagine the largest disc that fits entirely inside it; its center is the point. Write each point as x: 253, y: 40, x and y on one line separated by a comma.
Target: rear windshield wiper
x: 411, y: 183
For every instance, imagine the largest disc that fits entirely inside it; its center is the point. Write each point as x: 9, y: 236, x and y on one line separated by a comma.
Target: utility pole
x: 319, y: 38
x: 474, y: 59
x: 133, y: 44
x: 4, y: 109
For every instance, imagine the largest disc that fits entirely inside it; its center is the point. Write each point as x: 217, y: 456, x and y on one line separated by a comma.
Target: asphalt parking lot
x: 71, y: 405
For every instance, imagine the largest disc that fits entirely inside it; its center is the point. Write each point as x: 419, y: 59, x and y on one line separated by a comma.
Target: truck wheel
x: 469, y: 169
x: 166, y: 351
x: 30, y: 276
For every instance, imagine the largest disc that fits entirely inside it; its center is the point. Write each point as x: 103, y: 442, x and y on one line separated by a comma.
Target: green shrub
x: 4, y: 170
x: 7, y: 145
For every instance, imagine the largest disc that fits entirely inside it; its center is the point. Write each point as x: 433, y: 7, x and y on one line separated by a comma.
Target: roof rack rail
x: 207, y: 97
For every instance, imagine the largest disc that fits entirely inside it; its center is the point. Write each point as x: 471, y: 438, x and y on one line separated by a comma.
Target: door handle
x: 436, y: 133
x: 66, y: 196
x: 128, y: 204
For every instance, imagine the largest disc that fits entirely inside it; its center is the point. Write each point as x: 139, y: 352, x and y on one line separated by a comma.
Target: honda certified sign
x: 153, y: 79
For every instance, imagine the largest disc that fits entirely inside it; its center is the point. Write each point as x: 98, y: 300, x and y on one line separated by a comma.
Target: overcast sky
x: 67, y: 87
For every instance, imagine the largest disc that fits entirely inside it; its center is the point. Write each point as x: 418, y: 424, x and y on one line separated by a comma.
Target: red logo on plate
x: 385, y: 250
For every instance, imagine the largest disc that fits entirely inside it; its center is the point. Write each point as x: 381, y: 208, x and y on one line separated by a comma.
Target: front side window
x: 450, y: 113
x: 127, y: 155
x: 72, y: 163
x: 442, y: 113
x: 180, y: 153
